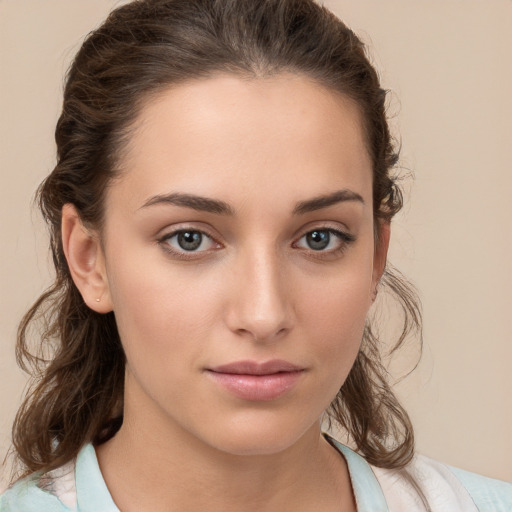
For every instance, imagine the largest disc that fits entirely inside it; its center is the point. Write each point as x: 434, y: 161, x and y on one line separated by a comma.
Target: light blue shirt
x: 92, y: 495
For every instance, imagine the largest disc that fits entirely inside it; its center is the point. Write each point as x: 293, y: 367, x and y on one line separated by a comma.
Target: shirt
x: 79, y: 487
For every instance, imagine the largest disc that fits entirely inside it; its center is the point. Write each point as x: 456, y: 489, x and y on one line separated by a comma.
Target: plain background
x: 448, y: 63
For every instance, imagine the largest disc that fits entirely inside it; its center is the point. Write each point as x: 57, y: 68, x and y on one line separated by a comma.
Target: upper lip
x: 256, y: 368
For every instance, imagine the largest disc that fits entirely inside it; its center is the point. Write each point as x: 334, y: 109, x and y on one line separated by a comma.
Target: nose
x: 259, y: 306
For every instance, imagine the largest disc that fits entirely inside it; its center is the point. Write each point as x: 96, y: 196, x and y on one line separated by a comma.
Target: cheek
x: 160, y: 313
x: 334, y: 317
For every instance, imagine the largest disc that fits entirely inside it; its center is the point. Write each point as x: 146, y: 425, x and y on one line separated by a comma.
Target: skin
x: 254, y: 290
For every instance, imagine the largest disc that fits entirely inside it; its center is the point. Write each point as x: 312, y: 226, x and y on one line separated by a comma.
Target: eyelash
x: 183, y: 255
x: 344, y: 238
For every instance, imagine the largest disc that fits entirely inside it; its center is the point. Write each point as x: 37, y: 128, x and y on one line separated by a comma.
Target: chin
x: 259, y: 436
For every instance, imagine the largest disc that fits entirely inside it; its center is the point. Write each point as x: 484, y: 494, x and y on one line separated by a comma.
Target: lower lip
x: 258, y: 388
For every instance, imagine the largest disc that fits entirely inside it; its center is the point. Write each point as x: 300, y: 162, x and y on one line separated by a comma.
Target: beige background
x: 449, y: 65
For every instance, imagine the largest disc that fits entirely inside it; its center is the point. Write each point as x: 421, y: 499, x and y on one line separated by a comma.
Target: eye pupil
x: 189, y: 240
x: 318, y: 240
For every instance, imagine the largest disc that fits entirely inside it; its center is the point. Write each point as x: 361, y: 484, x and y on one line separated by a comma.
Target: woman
x: 220, y: 216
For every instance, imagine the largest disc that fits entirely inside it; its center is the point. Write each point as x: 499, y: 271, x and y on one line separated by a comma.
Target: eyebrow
x: 320, y: 202
x: 205, y: 204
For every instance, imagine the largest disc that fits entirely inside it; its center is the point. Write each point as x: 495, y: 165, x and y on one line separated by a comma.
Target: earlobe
x: 85, y: 260
x: 380, y: 256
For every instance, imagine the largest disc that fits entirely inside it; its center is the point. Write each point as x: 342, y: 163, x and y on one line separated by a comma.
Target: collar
x: 367, y: 491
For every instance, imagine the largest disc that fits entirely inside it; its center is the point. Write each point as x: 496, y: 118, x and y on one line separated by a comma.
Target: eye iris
x: 318, y: 240
x: 190, y: 240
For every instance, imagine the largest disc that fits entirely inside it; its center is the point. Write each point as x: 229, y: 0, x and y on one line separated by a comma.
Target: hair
x: 77, y: 362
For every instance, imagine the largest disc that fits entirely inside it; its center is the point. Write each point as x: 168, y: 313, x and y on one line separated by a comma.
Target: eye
x: 325, y: 240
x: 187, y: 241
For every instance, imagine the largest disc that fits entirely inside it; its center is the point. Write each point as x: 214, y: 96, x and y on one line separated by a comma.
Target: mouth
x: 255, y: 368
x: 254, y: 381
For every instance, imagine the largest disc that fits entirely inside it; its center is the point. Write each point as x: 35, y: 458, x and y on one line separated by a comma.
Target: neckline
x: 93, y: 494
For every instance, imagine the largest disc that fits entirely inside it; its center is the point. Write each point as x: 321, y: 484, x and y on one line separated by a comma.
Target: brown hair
x: 143, y: 47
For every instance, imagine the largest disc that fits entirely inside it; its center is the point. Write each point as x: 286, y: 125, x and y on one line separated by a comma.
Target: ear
x: 380, y: 256
x: 86, y: 261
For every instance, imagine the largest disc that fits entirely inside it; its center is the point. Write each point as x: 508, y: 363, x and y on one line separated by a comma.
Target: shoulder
x: 443, y: 487
x: 50, y: 492
x: 488, y: 493
x: 424, y: 484
x: 78, y: 485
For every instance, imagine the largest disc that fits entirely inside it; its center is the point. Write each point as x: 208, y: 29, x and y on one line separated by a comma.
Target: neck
x: 158, y: 465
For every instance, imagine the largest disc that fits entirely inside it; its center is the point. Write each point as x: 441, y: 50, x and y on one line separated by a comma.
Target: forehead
x: 233, y: 137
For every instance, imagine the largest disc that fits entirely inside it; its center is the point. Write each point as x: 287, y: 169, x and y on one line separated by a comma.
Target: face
x: 240, y: 260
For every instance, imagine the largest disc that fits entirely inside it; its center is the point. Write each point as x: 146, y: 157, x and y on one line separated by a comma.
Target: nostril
x: 261, y: 334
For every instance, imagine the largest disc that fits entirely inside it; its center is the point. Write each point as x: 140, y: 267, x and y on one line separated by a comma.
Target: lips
x: 254, y: 381
x: 255, y: 368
